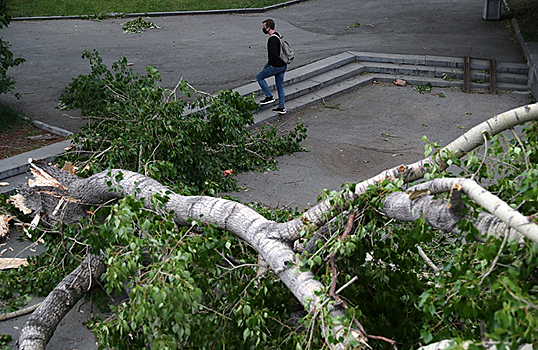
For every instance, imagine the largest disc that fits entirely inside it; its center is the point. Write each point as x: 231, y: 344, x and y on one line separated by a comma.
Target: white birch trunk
x: 274, y: 241
x: 444, y: 215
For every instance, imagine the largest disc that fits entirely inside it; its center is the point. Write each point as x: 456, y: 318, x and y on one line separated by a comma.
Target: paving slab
x: 357, y: 135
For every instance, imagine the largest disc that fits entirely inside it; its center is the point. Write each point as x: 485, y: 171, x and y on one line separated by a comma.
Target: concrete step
x: 266, y: 115
x: 439, y: 61
x: 301, y: 73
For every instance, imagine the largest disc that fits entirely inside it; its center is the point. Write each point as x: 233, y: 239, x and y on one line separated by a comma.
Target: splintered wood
x: 12, y: 263
x: 69, y: 167
x: 42, y: 178
x: 4, y: 226
x: 18, y: 202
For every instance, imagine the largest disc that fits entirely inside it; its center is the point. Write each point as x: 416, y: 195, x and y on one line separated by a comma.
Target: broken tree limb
x: 493, y: 204
x: 20, y: 312
x: 272, y: 240
x: 473, y: 138
x: 427, y: 259
x: 502, y: 220
x: 39, y: 328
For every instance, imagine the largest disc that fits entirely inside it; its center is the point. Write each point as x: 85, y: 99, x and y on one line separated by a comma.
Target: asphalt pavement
x: 214, y: 52
x: 366, y: 131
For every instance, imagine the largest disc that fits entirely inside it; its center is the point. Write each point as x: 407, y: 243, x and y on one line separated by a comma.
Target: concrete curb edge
x: 531, y: 61
x: 51, y: 128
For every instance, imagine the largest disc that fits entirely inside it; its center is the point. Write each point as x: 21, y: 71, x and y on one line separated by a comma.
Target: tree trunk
x: 68, y: 199
x: 443, y: 215
x: 39, y: 328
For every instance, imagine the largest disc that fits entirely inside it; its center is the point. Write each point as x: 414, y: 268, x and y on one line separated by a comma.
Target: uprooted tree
x: 383, y: 262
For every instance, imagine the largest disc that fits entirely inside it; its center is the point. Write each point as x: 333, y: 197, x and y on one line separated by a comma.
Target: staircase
x: 319, y: 81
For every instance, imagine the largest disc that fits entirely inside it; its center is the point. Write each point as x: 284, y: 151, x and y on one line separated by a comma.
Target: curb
x: 15, y: 167
x: 51, y: 128
x: 531, y: 57
x: 176, y: 13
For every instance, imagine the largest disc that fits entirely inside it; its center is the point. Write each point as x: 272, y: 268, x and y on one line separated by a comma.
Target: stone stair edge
x: 265, y: 116
x: 447, y: 74
x: 437, y: 61
x: 423, y: 62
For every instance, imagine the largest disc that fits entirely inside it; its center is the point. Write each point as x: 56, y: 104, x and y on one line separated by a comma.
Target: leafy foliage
x: 4, y: 341
x: 197, y: 287
x: 138, y: 25
x: 483, y: 289
x: 186, y: 142
x: 188, y: 288
x: 493, y: 283
x: 7, y: 83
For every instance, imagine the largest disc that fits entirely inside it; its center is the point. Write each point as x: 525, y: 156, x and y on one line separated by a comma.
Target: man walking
x: 274, y: 67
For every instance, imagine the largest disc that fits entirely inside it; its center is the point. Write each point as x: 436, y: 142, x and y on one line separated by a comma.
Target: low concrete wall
x: 530, y: 50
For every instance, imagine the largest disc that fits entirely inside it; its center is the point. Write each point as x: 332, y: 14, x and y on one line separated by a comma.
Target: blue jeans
x: 278, y: 72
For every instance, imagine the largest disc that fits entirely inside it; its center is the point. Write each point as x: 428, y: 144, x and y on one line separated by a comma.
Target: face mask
x: 265, y: 31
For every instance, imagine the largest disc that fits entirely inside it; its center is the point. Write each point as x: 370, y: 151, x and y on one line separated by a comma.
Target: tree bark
x: 68, y: 199
x: 39, y: 328
x: 443, y: 215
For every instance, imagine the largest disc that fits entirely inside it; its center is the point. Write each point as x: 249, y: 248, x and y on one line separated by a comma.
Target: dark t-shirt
x: 273, y: 50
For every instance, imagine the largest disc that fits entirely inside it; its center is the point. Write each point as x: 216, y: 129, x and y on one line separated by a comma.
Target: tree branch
x: 273, y: 241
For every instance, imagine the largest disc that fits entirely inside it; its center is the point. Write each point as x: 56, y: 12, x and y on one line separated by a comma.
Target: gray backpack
x: 286, y: 52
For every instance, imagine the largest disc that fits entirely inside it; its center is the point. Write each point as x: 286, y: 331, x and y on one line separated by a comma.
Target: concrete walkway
x: 369, y: 129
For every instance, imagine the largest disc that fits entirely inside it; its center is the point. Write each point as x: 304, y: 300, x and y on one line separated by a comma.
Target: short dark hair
x: 269, y: 23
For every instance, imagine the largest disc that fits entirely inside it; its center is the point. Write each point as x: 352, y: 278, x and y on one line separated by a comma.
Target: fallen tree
x: 58, y: 197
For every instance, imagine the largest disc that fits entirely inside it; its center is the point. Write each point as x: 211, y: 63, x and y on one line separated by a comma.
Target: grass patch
x: 526, y: 14
x: 10, y: 117
x: 32, y: 8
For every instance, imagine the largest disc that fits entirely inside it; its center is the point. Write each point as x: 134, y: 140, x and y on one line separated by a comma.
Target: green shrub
x: 6, y: 56
x: 187, y: 141
x: 10, y: 117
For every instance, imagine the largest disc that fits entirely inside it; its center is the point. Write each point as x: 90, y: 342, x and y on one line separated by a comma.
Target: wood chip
x: 12, y: 263
x: 18, y: 202
x: 4, y: 226
x: 68, y: 166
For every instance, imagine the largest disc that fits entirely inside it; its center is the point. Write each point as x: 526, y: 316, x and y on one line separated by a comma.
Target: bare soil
x: 526, y: 14
x: 16, y: 140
